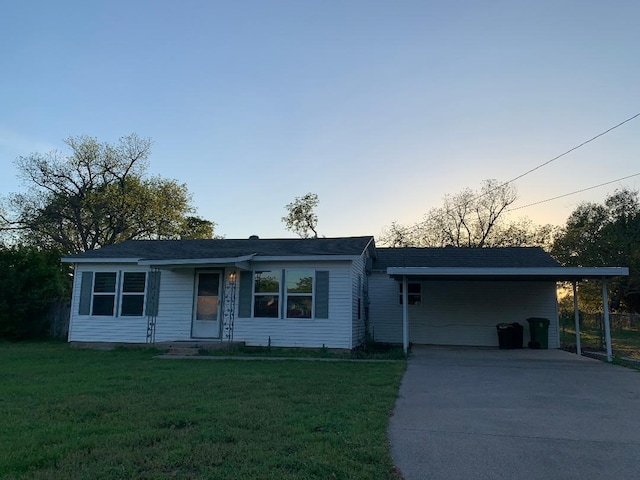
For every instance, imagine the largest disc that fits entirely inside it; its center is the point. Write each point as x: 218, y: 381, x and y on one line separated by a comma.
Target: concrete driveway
x: 466, y: 413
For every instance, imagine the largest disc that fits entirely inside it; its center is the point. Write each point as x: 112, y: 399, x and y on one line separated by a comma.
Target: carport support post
x: 607, y: 325
x: 576, y: 314
x: 405, y: 314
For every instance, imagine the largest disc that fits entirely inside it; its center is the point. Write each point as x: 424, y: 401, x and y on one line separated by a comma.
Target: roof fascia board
x: 214, y: 261
x: 304, y: 258
x: 99, y: 260
x: 238, y: 265
x: 560, y: 272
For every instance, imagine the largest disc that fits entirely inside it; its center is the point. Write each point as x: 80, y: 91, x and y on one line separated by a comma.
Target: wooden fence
x: 58, y: 319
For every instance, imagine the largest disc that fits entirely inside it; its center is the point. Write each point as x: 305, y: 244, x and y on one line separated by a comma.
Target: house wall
x: 86, y: 328
x: 358, y: 282
x: 175, y: 308
x: 332, y: 332
x: 175, y: 311
x: 461, y: 312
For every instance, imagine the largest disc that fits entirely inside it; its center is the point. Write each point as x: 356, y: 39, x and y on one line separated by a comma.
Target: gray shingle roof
x: 227, y: 248
x: 521, y: 257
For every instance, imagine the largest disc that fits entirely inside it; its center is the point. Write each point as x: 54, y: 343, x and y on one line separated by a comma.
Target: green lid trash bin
x: 539, y: 330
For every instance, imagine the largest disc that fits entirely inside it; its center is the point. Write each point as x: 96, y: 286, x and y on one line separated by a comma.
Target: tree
x: 98, y: 195
x: 196, y: 227
x: 471, y: 219
x: 605, y: 235
x: 301, y: 219
x: 523, y: 232
x: 31, y: 280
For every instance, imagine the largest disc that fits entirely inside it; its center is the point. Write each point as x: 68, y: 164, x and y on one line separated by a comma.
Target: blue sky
x: 381, y: 108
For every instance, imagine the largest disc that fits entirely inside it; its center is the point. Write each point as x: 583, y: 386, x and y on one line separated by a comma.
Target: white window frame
x: 133, y: 294
x: 119, y: 292
x: 312, y: 273
x: 113, y: 294
x: 255, y: 294
x: 282, y: 294
x: 411, y: 295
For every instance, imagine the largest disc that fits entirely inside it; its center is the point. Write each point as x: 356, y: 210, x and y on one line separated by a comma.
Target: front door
x: 206, y: 316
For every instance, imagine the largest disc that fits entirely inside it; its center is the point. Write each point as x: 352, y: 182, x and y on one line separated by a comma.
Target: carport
x: 406, y: 274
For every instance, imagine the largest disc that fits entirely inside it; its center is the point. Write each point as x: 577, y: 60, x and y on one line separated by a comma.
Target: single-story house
x: 317, y: 292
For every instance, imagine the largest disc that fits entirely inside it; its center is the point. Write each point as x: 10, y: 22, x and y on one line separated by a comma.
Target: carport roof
x: 510, y: 263
x: 506, y: 257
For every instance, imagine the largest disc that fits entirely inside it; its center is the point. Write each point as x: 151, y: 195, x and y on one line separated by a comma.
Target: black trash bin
x: 505, y: 336
x: 517, y: 334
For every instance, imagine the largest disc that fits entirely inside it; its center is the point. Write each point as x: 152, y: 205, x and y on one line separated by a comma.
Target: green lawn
x: 624, y: 343
x: 86, y: 414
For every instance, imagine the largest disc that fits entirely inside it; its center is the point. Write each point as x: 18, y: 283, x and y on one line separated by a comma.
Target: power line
x: 573, y: 193
x: 573, y: 149
x: 559, y: 156
x: 417, y: 225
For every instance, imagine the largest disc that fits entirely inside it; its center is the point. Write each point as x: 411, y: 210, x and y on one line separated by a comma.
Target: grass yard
x: 624, y: 343
x: 87, y: 414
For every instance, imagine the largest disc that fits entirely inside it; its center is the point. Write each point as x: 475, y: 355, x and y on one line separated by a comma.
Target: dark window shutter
x: 283, y: 295
x: 245, y: 294
x: 322, y: 295
x: 86, y: 285
x: 153, y: 293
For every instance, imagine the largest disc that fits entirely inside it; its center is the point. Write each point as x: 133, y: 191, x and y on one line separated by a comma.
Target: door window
x: 208, y: 296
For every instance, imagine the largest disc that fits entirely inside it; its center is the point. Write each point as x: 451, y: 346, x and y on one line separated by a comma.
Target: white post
x: 607, y: 325
x: 576, y: 314
x: 405, y: 314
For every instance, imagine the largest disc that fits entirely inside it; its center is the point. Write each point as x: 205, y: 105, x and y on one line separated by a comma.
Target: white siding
x: 87, y: 328
x: 175, y: 309
x: 385, y: 312
x: 462, y: 312
x: 332, y: 332
x: 358, y: 280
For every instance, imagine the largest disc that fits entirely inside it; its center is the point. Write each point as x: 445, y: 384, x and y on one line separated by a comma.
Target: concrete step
x: 193, y: 347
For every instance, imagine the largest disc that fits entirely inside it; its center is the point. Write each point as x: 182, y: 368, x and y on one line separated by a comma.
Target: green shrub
x: 30, y: 282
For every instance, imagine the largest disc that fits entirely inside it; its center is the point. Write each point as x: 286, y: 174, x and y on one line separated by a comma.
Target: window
x: 104, y: 293
x: 266, y: 297
x: 207, y: 300
x: 131, y: 293
x: 283, y: 293
x: 414, y: 293
x: 299, y: 293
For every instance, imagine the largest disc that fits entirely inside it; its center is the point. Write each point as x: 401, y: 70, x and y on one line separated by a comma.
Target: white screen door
x: 206, y: 318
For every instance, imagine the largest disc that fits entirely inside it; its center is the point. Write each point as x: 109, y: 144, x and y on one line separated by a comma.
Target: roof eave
x: 558, y: 273
x: 99, y: 260
x: 305, y: 258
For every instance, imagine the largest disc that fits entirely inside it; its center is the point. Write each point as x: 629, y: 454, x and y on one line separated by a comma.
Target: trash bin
x: 539, y: 330
x: 505, y: 335
x: 517, y: 334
